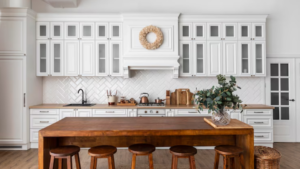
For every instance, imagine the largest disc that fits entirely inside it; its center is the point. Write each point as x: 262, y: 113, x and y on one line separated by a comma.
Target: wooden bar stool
x: 229, y: 153
x: 65, y: 152
x: 182, y: 151
x: 142, y: 150
x: 102, y: 152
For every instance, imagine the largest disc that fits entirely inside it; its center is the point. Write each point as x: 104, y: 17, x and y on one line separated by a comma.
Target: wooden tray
x: 234, y: 124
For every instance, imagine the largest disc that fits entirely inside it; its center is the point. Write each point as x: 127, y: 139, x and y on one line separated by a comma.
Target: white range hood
x: 136, y: 57
x: 62, y: 3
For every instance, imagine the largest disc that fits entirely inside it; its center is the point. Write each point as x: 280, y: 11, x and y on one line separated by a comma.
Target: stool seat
x: 102, y: 151
x: 229, y: 150
x: 183, y: 150
x: 64, y: 151
x: 141, y: 149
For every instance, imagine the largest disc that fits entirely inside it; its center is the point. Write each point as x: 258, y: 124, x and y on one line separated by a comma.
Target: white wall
x: 15, y: 3
x: 283, y: 35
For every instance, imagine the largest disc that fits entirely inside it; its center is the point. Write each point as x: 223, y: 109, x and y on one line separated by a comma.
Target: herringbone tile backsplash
x: 61, y: 90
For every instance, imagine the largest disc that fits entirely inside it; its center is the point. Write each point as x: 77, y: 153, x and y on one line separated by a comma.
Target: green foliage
x: 217, y: 98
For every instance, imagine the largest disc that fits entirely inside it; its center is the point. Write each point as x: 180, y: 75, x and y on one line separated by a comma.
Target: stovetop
x: 152, y: 104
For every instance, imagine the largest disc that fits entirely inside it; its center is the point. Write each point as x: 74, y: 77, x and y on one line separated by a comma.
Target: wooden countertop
x: 105, y: 106
x: 143, y: 126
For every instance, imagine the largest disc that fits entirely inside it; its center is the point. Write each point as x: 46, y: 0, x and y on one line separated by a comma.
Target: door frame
x: 297, y: 79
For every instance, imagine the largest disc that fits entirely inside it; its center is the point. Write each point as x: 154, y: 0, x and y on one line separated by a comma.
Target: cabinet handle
x: 259, y: 136
x: 24, y: 99
x: 259, y: 122
x: 109, y: 112
x: 44, y: 111
x: 192, y: 112
x: 44, y: 121
x: 259, y: 112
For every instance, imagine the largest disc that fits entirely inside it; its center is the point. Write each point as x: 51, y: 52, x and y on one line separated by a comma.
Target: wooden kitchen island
x: 161, y: 132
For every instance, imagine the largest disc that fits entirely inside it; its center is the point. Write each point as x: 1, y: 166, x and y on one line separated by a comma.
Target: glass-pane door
x: 43, y: 58
x: 259, y: 56
x: 42, y: 30
x: 56, y: 30
x: 72, y: 30
x: 214, y: 31
x: 102, y: 31
x: 87, y: 30
x: 115, y: 31
x: 199, y: 51
x: 185, y: 58
x: 244, y: 31
x: 199, y: 31
x: 281, y: 94
x: 258, y: 31
x: 185, y: 31
x: 244, y: 58
x: 115, y: 58
x: 102, y: 58
x: 56, y: 57
x: 229, y: 31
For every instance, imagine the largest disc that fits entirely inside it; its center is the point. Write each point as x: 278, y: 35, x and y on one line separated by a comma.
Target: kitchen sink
x: 79, y: 105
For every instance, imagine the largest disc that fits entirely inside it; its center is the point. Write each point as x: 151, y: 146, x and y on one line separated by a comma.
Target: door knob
x: 292, y: 100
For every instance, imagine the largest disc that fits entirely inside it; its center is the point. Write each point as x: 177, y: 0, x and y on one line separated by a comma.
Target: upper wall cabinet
x: 192, y: 31
x: 222, y: 31
x: 71, y: 30
x: 108, y: 31
x: 214, y: 31
x: 229, y: 31
x: 87, y: 31
x: 49, y: 30
x: 252, y: 31
x: 258, y: 31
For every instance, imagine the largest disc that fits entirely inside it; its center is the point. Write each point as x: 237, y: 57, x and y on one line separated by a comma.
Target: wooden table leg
x: 247, y: 143
x: 45, y: 144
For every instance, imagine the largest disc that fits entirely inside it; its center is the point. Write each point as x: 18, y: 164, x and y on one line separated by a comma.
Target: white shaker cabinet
x: 229, y: 31
x: 67, y: 113
x: 199, y: 58
x: 49, y: 30
x: 102, y: 31
x: 259, y: 58
x: 42, y: 30
x: 87, y: 31
x: 115, y: 31
x: 109, y: 31
x: 214, y: 55
x: 43, y: 57
x: 102, y: 58
x: 115, y: 55
x: 83, y: 112
x: 259, y: 31
x: 245, y: 58
x: 71, y: 54
x: 186, y: 56
x: 192, y: 31
x: 87, y: 58
x: 230, y: 51
x: 71, y: 31
x: 244, y: 31
x: 214, y: 31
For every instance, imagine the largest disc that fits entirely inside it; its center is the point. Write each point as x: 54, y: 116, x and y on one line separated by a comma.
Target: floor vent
x: 10, y: 147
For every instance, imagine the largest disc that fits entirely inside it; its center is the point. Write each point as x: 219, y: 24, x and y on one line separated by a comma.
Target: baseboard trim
x: 15, y: 147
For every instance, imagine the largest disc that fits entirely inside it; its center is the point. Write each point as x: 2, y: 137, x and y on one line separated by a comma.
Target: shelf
x: 200, y: 58
x: 245, y: 58
x: 57, y: 58
x: 44, y: 58
x: 102, y: 58
x: 186, y: 58
x: 116, y: 58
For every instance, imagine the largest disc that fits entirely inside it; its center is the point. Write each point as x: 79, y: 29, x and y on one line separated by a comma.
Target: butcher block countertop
x: 105, y: 106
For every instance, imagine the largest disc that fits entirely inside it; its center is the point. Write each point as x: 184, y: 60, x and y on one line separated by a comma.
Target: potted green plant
x: 219, y: 99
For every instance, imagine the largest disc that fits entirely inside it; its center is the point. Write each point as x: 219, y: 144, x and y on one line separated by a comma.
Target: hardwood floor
x: 162, y: 159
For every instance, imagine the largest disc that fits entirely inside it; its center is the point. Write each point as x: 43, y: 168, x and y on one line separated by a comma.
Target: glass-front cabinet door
x: 186, y: 56
x: 214, y: 31
x: 72, y: 30
x: 244, y: 32
x: 258, y: 31
x: 56, y: 30
x: 229, y: 31
x: 102, y: 62
x: 115, y: 58
x: 102, y: 31
x: 199, y: 31
x: 185, y: 31
x: 244, y: 55
x: 42, y: 58
x: 56, y: 56
x: 115, y: 31
x: 199, y: 51
x: 87, y: 31
x: 259, y: 58
x: 42, y: 30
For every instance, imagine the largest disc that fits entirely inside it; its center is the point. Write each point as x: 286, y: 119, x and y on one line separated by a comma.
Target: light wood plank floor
x: 162, y: 159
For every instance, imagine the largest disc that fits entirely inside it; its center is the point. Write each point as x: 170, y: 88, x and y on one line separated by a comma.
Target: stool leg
x: 78, y: 166
x: 111, y: 162
x: 232, y: 163
x: 133, y: 161
x: 60, y: 165
x: 192, y: 162
x: 93, y: 160
x: 216, y: 164
x: 225, y: 162
x: 150, y: 161
x: 51, y: 162
x: 242, y: 161
x: 69, y: 162
x: 174, y: 162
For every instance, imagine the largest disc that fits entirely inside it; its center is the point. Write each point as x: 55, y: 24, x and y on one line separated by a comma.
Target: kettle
x: 144, y: 98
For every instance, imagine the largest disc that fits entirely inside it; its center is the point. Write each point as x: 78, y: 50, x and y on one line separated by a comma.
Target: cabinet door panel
x: 185, y: 31
x: 244, y: 55
x: 229, y: 31
x: 245, y: 31
x: 66, y: 113
x: 57, y: 50
x: 71, y: 30
x: 259, y: 31
x: 102, y: 62
x: 42, y: 59
x: 57, y: 30
x: 186, y: 55
x: 87, y: 58
x: 115, y: 53
x: 84, y: 113
x: 102, y: 31
x: 199, y: 59
x: 42, y: 31
x: 115, y: 31
x: 259, y: 58
x: 214, y: 55
x: 230, y: 57
x: 87, y: 30
x: 199, y: 31
x: 214, y: 31
x: 71, y: 61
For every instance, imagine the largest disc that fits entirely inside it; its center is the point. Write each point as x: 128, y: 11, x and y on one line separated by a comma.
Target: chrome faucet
x: 83, y: 101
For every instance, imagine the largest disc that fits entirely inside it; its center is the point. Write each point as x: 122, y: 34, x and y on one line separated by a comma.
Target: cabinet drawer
x: 263, y: 136
x: 44, y: 111
x: 41, y: 121
x: 34, y: 135
x: 109, y: 113
x: 191, y: 112
x: 259, y: 112
x: 259, y: 121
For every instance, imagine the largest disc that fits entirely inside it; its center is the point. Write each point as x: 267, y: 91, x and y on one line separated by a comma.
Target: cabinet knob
x: 145, y: 111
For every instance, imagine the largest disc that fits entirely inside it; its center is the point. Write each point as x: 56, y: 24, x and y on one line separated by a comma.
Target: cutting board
x: 234, y: 124
x: 181, y: 97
